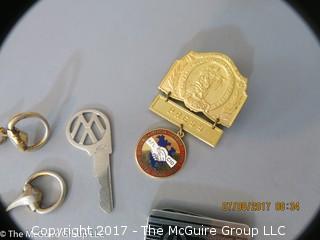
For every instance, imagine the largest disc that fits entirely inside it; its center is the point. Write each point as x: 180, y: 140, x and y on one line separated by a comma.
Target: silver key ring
x: 32, y: 196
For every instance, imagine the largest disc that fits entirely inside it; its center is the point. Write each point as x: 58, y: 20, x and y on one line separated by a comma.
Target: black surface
x: 12, y: 10
x: 7, y: 226
x: 309, y: 12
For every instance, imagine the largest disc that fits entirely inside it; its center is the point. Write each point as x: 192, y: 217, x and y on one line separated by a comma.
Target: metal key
x: 89, y: 130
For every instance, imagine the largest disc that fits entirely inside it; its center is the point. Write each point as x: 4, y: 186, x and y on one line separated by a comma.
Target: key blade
x: 102, y: 171
x: 106, y: 199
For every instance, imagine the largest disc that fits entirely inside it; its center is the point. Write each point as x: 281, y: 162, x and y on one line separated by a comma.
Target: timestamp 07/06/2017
x: 261, y: 206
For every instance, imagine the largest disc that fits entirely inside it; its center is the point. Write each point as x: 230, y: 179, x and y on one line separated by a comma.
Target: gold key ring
x: 19, y: 138
x: 32, y: 196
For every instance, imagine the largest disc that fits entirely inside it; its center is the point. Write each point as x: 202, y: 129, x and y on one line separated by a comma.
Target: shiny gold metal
x: 205, y: 83
x: 215, y: 123
x: 180, y: 133
x: 191, y: 122
x: 20, y: 138
x: 32, y: 196
x: 3, y: 135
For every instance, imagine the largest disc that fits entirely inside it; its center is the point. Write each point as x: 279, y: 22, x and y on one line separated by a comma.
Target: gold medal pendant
x: 160, y: 152
x: 201, y: 93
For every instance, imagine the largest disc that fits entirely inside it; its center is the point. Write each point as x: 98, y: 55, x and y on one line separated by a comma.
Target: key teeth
x: 103, y: 203
x: 108, y: 210
x: 106, y: 194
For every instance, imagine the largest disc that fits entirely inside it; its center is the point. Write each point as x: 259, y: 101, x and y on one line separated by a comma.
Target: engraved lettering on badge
x: 184, y: 118
x: 191, y: 122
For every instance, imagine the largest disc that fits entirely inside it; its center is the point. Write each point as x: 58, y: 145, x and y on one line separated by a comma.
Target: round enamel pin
x: 160, y: 153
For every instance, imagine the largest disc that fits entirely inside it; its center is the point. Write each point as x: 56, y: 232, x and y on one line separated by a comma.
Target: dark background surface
x: 12, y: 10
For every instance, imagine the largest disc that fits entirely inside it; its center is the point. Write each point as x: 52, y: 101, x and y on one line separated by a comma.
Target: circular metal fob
x: 160, y: 153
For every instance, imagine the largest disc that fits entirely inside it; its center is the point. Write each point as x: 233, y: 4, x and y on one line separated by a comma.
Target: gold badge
x: 202, y: 91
